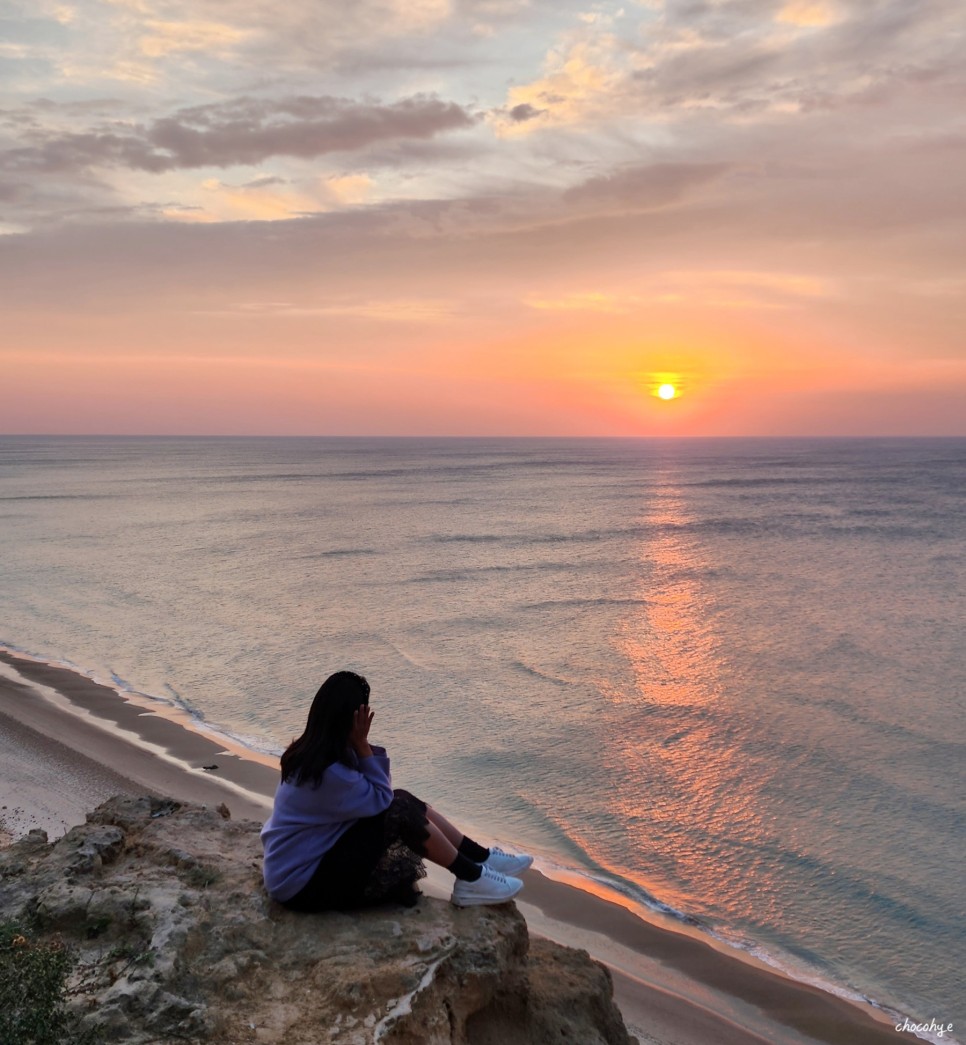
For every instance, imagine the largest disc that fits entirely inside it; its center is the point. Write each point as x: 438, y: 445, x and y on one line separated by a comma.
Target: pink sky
x: 484, y: 217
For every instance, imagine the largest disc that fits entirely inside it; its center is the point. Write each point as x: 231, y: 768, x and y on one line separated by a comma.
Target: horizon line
x: 452, y: 436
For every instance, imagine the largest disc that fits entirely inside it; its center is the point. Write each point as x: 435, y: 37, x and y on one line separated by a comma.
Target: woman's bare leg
x: 439, y: 848
x: 449, y: 831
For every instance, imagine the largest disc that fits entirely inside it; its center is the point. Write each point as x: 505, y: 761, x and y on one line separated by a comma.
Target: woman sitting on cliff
x: 339, y: 836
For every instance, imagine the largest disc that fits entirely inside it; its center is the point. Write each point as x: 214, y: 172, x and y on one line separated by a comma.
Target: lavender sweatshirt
x: 307, y: 821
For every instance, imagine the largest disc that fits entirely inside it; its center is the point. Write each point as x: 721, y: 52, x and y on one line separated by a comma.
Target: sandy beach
x: 67, y: 744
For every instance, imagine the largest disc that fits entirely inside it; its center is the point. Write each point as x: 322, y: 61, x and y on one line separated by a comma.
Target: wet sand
x: 68, y: 743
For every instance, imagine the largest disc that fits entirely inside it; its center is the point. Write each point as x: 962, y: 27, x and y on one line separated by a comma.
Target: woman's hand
x: 359, y: 733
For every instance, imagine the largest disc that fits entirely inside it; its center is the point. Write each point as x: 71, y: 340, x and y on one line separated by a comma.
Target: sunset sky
x: 483, y: 217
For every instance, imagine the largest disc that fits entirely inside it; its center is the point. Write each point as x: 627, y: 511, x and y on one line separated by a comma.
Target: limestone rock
x: 176, y: 940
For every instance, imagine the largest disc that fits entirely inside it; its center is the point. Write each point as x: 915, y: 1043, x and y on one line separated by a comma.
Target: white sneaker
x: 490, y: 888
x: 507, y: 863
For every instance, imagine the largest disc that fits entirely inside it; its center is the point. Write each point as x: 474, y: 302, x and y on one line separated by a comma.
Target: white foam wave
x: 191, y: 717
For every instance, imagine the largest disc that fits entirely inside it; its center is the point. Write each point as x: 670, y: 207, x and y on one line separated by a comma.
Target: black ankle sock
x: 464, y: 868
x: 473, y: 850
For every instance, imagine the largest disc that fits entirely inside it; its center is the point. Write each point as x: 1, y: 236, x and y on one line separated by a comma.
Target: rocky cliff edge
x: 161, y: 904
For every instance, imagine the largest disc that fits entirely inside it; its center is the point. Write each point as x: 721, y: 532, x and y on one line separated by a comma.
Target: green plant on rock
x: 33, y: 991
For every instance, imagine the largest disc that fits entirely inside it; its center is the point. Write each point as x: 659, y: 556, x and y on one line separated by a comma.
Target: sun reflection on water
x: 688, y: 798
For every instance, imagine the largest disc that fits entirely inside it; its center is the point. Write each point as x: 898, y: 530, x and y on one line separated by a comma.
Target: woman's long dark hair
x: 326, y: 736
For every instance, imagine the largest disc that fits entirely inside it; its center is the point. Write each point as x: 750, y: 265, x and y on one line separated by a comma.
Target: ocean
x: 724, y: 678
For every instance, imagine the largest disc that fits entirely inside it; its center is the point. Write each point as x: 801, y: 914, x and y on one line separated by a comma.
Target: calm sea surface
x: 726, y: 676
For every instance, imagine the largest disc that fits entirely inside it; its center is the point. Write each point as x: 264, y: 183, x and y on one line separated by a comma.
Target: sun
x: 667, y: 391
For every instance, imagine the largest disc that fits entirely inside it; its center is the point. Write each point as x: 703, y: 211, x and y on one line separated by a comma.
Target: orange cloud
x: 580, y: 78
x: 164, y: 38
x: 268, y: 199
x: 810, y: 14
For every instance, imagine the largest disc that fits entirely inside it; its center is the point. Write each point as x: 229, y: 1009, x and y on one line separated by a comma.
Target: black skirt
x: 378, y: 860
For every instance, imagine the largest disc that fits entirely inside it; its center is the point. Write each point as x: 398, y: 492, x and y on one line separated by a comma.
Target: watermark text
x: 932, y: 1027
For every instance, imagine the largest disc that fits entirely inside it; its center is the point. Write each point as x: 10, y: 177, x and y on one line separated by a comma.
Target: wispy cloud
x: 161, y: 38
x: 242, y: 132
x: 738, y: 61
x: 392, y: 310
x: 811, y: 14
x: 586, y: 301
x: 643, y: 187
x: 695, y: 288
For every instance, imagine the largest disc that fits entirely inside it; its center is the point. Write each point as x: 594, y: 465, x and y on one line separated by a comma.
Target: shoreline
x: 67, y: 743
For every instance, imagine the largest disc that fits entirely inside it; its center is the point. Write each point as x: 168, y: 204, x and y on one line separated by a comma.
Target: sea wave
x: 591, y: 878
x: 189, y: 716
x: 645, y: 905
